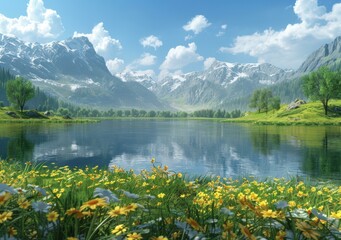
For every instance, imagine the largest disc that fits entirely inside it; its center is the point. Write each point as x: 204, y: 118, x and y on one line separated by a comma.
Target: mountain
x: 72, y: 71
x: 327, y: 55
x: 222, y: 85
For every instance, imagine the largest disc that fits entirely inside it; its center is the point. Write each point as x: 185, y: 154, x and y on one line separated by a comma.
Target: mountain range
x: 72, y: 71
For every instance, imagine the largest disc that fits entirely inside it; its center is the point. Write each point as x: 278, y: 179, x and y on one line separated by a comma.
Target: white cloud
x: 103, y: 43
x: 146, y: 59
x: 197, y: 24
x: 115, y: 65
x: 39, y: 25
x: 222, y: 30
x: 188, y: 37
x: 208, y: 62
x: 180, y: 57
x: 291, y: 46
x: 151, y: 41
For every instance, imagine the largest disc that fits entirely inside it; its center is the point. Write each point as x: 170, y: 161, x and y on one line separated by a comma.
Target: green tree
x: 19, y: 91
x: 322, y: 85
x: 263, y: 100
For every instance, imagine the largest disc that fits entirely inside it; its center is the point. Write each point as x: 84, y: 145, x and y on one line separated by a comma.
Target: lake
x: 192, y: 147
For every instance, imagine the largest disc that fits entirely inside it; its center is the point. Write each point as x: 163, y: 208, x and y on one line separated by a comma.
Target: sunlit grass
x: 311, y: 113
x: 39, y: 202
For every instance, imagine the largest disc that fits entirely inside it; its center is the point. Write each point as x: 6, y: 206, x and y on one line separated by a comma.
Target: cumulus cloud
x: 197, y: 24
x: 39, y: 25
x: 115, y: 65
x: 103, y: 43
x: 151, y: 41
x: 180, y: 57
x: 177, y: 58
x: 290, y: 47
x: 208, y: 62
x: 146, y: 59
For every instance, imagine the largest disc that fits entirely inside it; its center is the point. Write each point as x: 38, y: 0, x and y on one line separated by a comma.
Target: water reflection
x: 194, y: 147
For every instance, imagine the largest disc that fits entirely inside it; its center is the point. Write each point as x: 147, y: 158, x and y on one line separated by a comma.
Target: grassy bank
x: 63, y: 203
x: 32, y: 116
x: 307, y: 114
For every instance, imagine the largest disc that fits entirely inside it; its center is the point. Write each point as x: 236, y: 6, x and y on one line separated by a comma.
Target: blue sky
x: 161, y: 37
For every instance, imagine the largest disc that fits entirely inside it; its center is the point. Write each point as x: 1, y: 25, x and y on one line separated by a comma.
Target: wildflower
x: 12, y: 231
x: 307, y: 230
x: 75, y: 212
x: 71, y: 238
x: 159, y: 238
x: 179, y: 175
x: 119, y: 230
x: 161, y: 195
x: 41, y: 207
x: 134, y: 235
x: 194, y: 224
x: 182, y: 196
x: 281, y: 235
x: 4, y: 197
x: 117, y: 211
x: 52, y: 216
x: 246, y: 232
x: 269, y: 214
x: 5, y: 216
x: 292, y: 204
x: 336, y: 215
x: 94, y: 203
x: 131, y: 207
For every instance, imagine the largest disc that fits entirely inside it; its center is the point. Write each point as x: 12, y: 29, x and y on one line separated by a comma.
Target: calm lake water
x: 192, y: 147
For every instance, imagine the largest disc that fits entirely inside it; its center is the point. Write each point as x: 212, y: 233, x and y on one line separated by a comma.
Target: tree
x: 263, y: 99
x: 19, y: 91
x: 322, y: 85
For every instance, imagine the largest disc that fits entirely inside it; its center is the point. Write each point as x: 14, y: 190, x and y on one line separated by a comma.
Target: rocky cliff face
x: 327, y: 55
x: 72, y: 71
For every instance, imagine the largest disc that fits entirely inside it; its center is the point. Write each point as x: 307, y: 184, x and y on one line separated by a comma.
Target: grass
x: 39, y: 202
x: 308, y: 114
x: 23, y: 117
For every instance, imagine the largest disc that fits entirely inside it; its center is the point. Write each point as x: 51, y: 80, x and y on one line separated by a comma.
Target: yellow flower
x: 159, y: 238
x: 313, y: 189
x: 5, y: 216
x: 194, y: 224
x: 269, y: 214
x: 182, y: 196
x: 134, y: 235
x: 281, y: 235
x: 12, y: 231
x: 52, y: 216
x: 161, y: 195
x: 307, y: 230
x: 292, y: 204
x: 117, y: 211
x: 131, y: 207
x: 4, y: 197
x: 71, y: 238
x: 94, y: 203
x: 336, y: 215
x: 179, y: 175
x: 77, y: 213
x: 119, y: 229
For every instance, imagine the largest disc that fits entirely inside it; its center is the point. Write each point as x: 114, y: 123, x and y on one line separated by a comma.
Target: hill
x: 311, y: 113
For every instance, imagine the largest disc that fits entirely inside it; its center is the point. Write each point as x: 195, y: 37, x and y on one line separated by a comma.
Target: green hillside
x: 311, y: 113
